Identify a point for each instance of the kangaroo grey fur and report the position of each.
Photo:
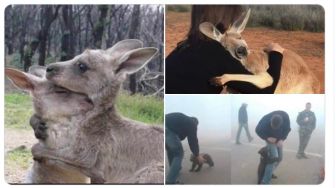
(195, 163)
(114, 148)
(46, 96)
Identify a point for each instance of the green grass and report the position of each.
(147, 109)
(18, 109)
(18, 157)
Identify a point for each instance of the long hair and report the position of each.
(222, 16)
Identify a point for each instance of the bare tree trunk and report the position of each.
(67, 45)
(28, 53)
(98, 29)
(9, 29)
(133, 33)
(48, 15)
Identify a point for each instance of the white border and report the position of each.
(329, 7)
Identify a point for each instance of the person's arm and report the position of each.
(261, 128)
(313, 121)
(193, 141)
(287, 128)
(275, 62)
(299, 119)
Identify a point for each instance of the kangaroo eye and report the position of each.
(83, 67)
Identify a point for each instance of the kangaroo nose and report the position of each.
(52, 69)
(242, 51)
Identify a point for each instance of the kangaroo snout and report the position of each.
(52, 70)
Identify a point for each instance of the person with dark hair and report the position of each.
(274, 129)
(243, 123)
(179, 126)
(197, 59)
(307, 123)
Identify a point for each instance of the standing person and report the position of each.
(243, 123)
(274, 129)
(307, 123)
(197, 59)
(178, 127)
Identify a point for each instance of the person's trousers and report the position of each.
(175, 155)
(241, 126)
(273, 152)
(303, 141)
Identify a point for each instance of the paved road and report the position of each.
(237, 164)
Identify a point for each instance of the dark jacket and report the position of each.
(184, 127)
(242, 115)
(264, 129)
(311, 124)
(189, 69)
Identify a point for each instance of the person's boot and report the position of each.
(299, 156)
(305, 156)
(274, 176)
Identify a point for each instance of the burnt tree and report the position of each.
(48, 14)
(98, 29)
(67, 43)
(134, 33)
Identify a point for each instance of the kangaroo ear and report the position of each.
(124, 46)
(210, 31)
(239, 25)
(134, 60)
(21, 80)
(37, 70)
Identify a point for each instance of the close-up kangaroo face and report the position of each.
(235, 44)
(231, 40)
(93, 70)
(50, 101)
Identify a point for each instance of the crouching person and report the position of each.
(178, 127)
(274, 129)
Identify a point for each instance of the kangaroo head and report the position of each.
(95, 71)
(50, 101)
(231, 40)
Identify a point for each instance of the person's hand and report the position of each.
(200, 159)
(279, 143)
(273, 47)
(271, 140)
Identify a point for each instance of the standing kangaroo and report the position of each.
(107, 146)
(295, 75)
(56, 106)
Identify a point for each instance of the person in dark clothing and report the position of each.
(307, 123)
(179, 126)
(243, 123)
(274, 129)
(197, 59)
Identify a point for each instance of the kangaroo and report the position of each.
(125, 151)
(295, 75)
(195, 163)
(56, 106)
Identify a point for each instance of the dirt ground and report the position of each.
(15, 138)
(307, 44)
